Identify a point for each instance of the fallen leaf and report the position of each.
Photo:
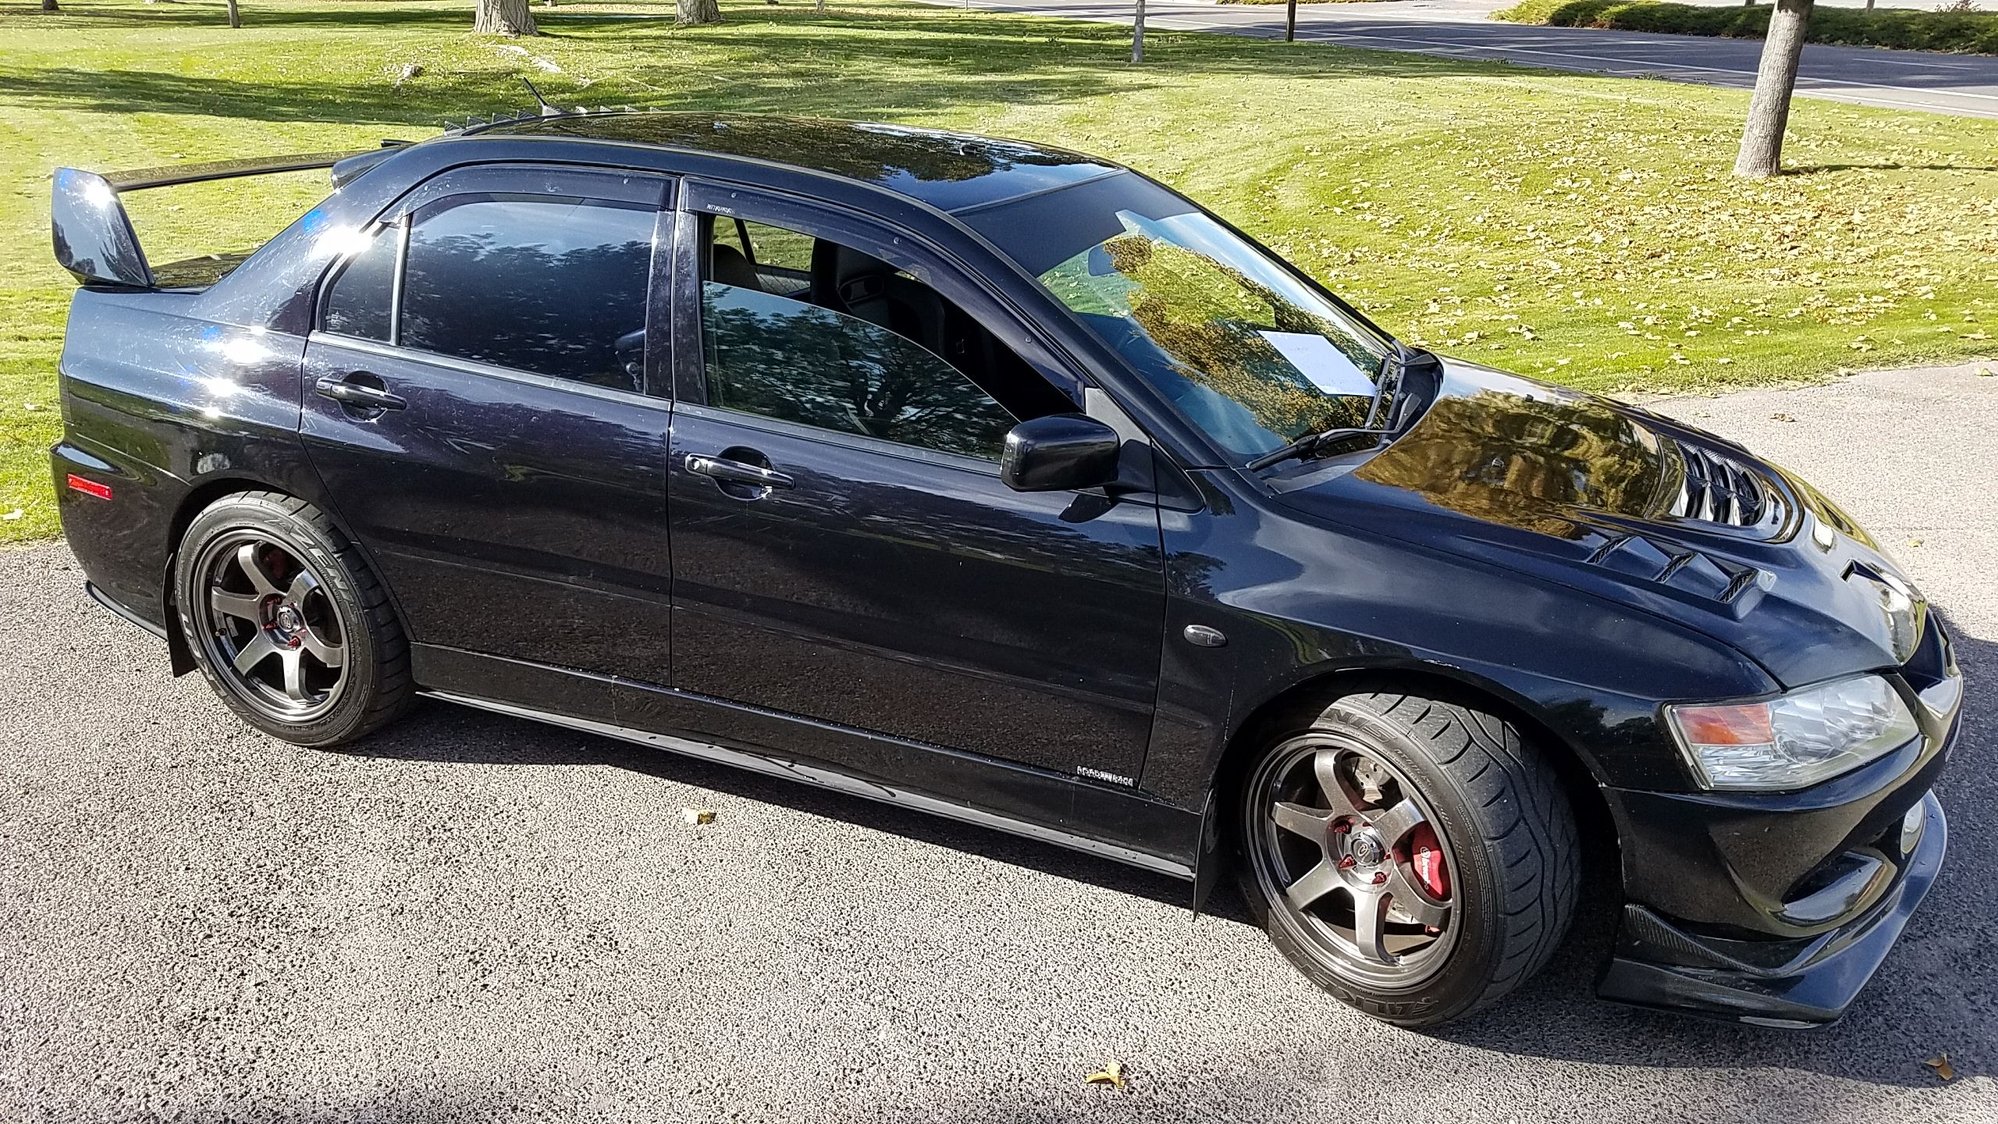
(1782, 417)
(1914, 542)
(1940, 1063)
(1113, 1074)
(698, 816)
(13, 515)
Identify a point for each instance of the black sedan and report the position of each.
(1005, 483)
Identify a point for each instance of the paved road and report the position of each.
(1966, 85)
(473, 918)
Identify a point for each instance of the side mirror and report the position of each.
(1058, 453)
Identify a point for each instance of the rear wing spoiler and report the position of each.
(94, 238)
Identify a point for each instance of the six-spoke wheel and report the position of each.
(286, 621)
(1414, 857)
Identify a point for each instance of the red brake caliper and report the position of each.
(1425, 854)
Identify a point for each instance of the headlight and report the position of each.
(1800, 739)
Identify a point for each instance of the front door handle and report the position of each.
(736, 472)
(359, 390)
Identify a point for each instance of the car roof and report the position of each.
(945, 170)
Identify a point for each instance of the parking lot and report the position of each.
(476, 918)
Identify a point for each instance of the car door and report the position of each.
(476, 406)
(844, 549)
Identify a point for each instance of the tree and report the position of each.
(50, 6)
(504, 17)
(1138, 34)
(235, 17)
(1775, 80)
(691, 12)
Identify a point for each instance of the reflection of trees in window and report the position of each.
(479, 294)
(1483, 454)
(1205, 316)
(797, 362)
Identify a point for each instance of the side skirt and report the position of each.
(817, 772)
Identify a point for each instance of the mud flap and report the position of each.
(1208, 863)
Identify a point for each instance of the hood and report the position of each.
(1615, 501)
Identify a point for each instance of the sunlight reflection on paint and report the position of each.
(340, 241)
(244, 351)
(98, 193)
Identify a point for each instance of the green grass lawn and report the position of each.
(1579, 228)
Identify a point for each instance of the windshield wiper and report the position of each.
(1387, 391)
(1310, 443)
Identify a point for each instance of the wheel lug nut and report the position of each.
(1380, 877)
(1345, 862)
(1342, 827)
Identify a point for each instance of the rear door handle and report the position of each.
(349, 390)
(736, 472)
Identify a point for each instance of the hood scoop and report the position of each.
(1685, 573)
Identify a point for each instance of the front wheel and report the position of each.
(287, 623)
(1414, 857)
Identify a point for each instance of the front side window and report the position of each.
(553, 286)
(1247, 352)
(855, 346)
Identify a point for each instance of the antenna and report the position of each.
(546, 109)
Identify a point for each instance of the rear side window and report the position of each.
(554, 286)
(358, 304)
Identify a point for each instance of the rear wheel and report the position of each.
(287, 623)
(1414, 857)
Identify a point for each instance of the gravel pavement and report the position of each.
(474, 918)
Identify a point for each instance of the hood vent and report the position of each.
(1718, 489)
(1685, 573)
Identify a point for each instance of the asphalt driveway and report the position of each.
(473, 918)
(1966, 85)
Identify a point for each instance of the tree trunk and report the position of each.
(698, 11)
(1775, 80)
(504, 17)
(235, 17)
(50, 6)
(1138, 34)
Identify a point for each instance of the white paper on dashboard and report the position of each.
(1316, 359)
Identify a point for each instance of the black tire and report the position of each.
(287, 623)
(1495, 812)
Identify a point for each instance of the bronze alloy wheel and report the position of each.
(269, 627)
(1350, 853)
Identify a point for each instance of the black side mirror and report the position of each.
(1058, 453)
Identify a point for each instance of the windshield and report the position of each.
(1249, 353)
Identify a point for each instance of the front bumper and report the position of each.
(1777, 908)
(1796, 983)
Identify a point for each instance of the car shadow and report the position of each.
(446, 733)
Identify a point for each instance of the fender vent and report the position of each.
(1718, 489)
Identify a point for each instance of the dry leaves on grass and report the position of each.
(1940, 1063)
